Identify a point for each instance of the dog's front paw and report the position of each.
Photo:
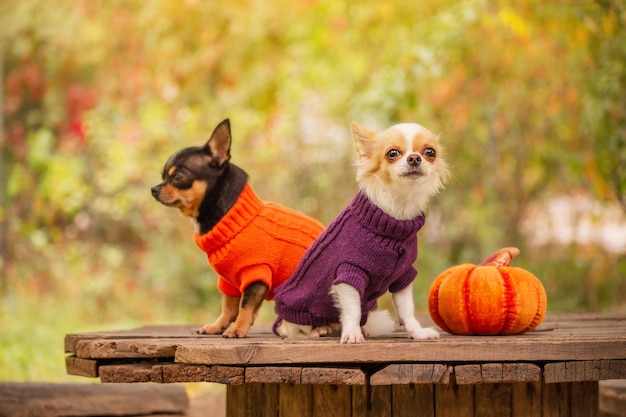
(421, 333)
(351, 336)
(235, 332)
(211, 329)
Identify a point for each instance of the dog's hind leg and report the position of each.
(230, 308)
(251, 300)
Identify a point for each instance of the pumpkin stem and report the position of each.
(501, 257)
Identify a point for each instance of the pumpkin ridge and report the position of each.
(509, 301)
(541, 306)
(466, 301)
(433, 304)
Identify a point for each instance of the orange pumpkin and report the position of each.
(487, 299)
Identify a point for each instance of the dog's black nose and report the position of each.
(155, 191)
(414, 159)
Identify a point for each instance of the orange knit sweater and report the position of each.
(257, 241)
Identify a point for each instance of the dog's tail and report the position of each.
(379, 323)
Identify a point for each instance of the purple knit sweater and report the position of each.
(363, 247)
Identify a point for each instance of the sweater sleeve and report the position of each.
(227, 288)
(353, 275)
(253, 273)
(403, 280)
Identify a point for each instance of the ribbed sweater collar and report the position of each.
(377, 221)
(240, 215)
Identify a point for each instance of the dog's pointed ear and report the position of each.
(363, 140)
(218, 145)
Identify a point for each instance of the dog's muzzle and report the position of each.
(156, 190)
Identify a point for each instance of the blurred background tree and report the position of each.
(526, 95)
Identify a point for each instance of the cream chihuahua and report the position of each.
(371, 246)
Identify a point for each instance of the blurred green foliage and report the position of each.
(526, 95)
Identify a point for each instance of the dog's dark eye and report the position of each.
(177, 177)
(430, 153)
(392, 154)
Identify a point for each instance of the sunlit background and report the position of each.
(527, 97)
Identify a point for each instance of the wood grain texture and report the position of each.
(305, 375)
(585, 399)
(422, 373)
(55, 400)
(613, 369)
(560, 337)
(573, 371)
(81, 367)
(527, 399)
(493, 400)
(331, 400)
(144, 332)
(175, 372)
(556, 400)
(380, 400)
(295, 400)
(448, 349)
(453, 400)
(565, 348)
(333, 375)
(497, 373)
(126, 348)
(126, 373)
(251, 400)
(534, 399)
(413, 400)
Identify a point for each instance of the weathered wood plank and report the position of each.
(149, 332)
(170, 373)
(236, 398)
(380, 401)
(453, 400)
(343, 375)
(411, 400)
(582, 320)
(175, 372)
(374, 401)
(493, 400)
(251, 400)
(126, 373)
(412, 374)
(497, 373)
(274, 375)
(556, 400)
(527, 399)
(573, 371)
(305, 375)
(331, 400)
(81, 367)
(570, 347)
(585, 399)
(559, 322)
(564, 337)
(613, 369)
(455, 349)
(570, 399)
(360, 400)
(55, 400)
(126, 348)
(558, 325)
(295, 400)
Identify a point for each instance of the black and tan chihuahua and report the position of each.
(254, 246)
